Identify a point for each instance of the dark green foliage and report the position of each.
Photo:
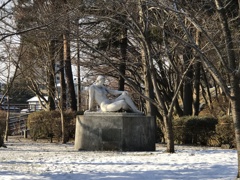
(194, 130)
(47, 124)
(225, 131)
(204, 130)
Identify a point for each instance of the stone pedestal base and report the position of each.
(115, 131)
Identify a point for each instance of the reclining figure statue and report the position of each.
(98, 92)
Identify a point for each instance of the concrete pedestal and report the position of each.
(115, 131)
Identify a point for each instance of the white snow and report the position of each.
(24, 159)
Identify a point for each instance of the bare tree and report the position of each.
(218, 51)
(12, 59)
(9, 59)
(151, 68)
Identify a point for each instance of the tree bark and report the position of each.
(145, 56)
(51, 76)
(7, 121)
(2, 141)
(63, 87)
(236, 117)
(79, 103)
(234, 77)
(67, 60)
(69, 75)
(122, 66)
(63, 122)
(197, 79)
(187, 89)
(169, 134)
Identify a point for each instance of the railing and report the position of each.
(17, 124)
(14, 107)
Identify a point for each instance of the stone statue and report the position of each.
(98, 92)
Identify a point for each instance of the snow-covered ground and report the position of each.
(24, 159)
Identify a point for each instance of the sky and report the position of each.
(24, 159)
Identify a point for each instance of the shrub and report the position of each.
(194, 130)
(46, 124)
(225, 131)
(70, 118)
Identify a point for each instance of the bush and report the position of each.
(194, 130)
(47, 124)
(225, 131)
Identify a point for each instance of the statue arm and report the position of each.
(91, 98)
(114, 92)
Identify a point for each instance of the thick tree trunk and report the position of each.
(67, 60)
(78, 80)
(2, 141)
(145, 56)
(78, 69)
(197, 88)
(68, 70)
(187, 89)
(63, 97)
(235, 103)
(122, 67)
(209, 100)
(169, 134)
(197, 68)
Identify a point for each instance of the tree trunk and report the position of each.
(122, 67)
(234, 78)
(78, 70)
(145, 56)
(51, 76)
(67, 60)
(68, 70)
(63, 87)
(169, 134)
(187, 89)
(197, 88)
(209, 100)
(236, 118)
(63, 122)
(1, 141)
(197, 79)
(7, 122)
(69, 76)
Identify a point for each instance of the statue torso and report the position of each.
(100, 93)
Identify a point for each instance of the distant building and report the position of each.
(34, 104)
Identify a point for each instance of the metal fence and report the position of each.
(18, 124)
(13, 107)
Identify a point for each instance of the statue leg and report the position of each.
(114, 106)
(128, 100)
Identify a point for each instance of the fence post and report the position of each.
(25, 133)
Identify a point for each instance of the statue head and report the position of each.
(100, 79)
